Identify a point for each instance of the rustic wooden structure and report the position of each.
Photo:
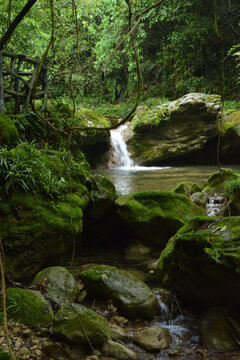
(18, 74)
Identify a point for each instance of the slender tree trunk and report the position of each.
(15, 23)
(1, 86)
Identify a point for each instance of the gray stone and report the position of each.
(153, 338)
(60, 284)
(132, 297)
(118, 351)
(80, 325)
(174, 129)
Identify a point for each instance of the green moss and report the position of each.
(28, 307)
(9, 131)
(4, 355)
(154, 216)
(215, 182)
(231, 121)
(187, 188)
(81, 325)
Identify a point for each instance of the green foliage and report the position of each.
(29, 169)
(9, 133)
(232, 185)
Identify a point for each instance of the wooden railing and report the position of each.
(17, 77)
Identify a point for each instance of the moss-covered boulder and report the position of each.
(187, 188)
(39, 213)
(28, 307)
(175, 130)
(154, 216)
(202, 262)
(81, 325)
(132, 297)
(215, 183)
(59, 284)
(102, 195)
(230, 143)
(9, 134)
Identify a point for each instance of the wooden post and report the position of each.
(1, 86)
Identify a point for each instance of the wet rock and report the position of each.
(57, 283)
(220, 331)
(199, 198)
(153, 217)
(28, 307)
(153, 338)
(80, 325)
(62, 350)
(102, 195)
(132, 297)
(202, 262)
(118, 333)
(187, 188)
(118, 351)
(175, 130)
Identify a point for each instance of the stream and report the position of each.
(183, 326)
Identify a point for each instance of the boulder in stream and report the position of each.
(132, 297)
(174, 130)
(152, 217)
(118, 351)
(153, 338)
(202, 262)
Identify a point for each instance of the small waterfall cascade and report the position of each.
(119, 154)
(215, 205)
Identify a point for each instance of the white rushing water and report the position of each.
(119, 148)
(120, 155)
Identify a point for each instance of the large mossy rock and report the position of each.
(81, 325)
(37, 219)
(230, 144)
(154, 216)
(60, 285)
(132, 297)
(9, 133)
(202, 262)
(175, 129)
(28, 307)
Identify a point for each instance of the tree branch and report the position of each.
(15, 23)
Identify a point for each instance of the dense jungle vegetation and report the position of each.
(181, 45)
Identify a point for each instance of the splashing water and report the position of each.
(119, 148)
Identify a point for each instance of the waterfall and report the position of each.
(119, 155)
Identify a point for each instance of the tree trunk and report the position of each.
(1, 86)
(15, 23)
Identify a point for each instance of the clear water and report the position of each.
(134, 179)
